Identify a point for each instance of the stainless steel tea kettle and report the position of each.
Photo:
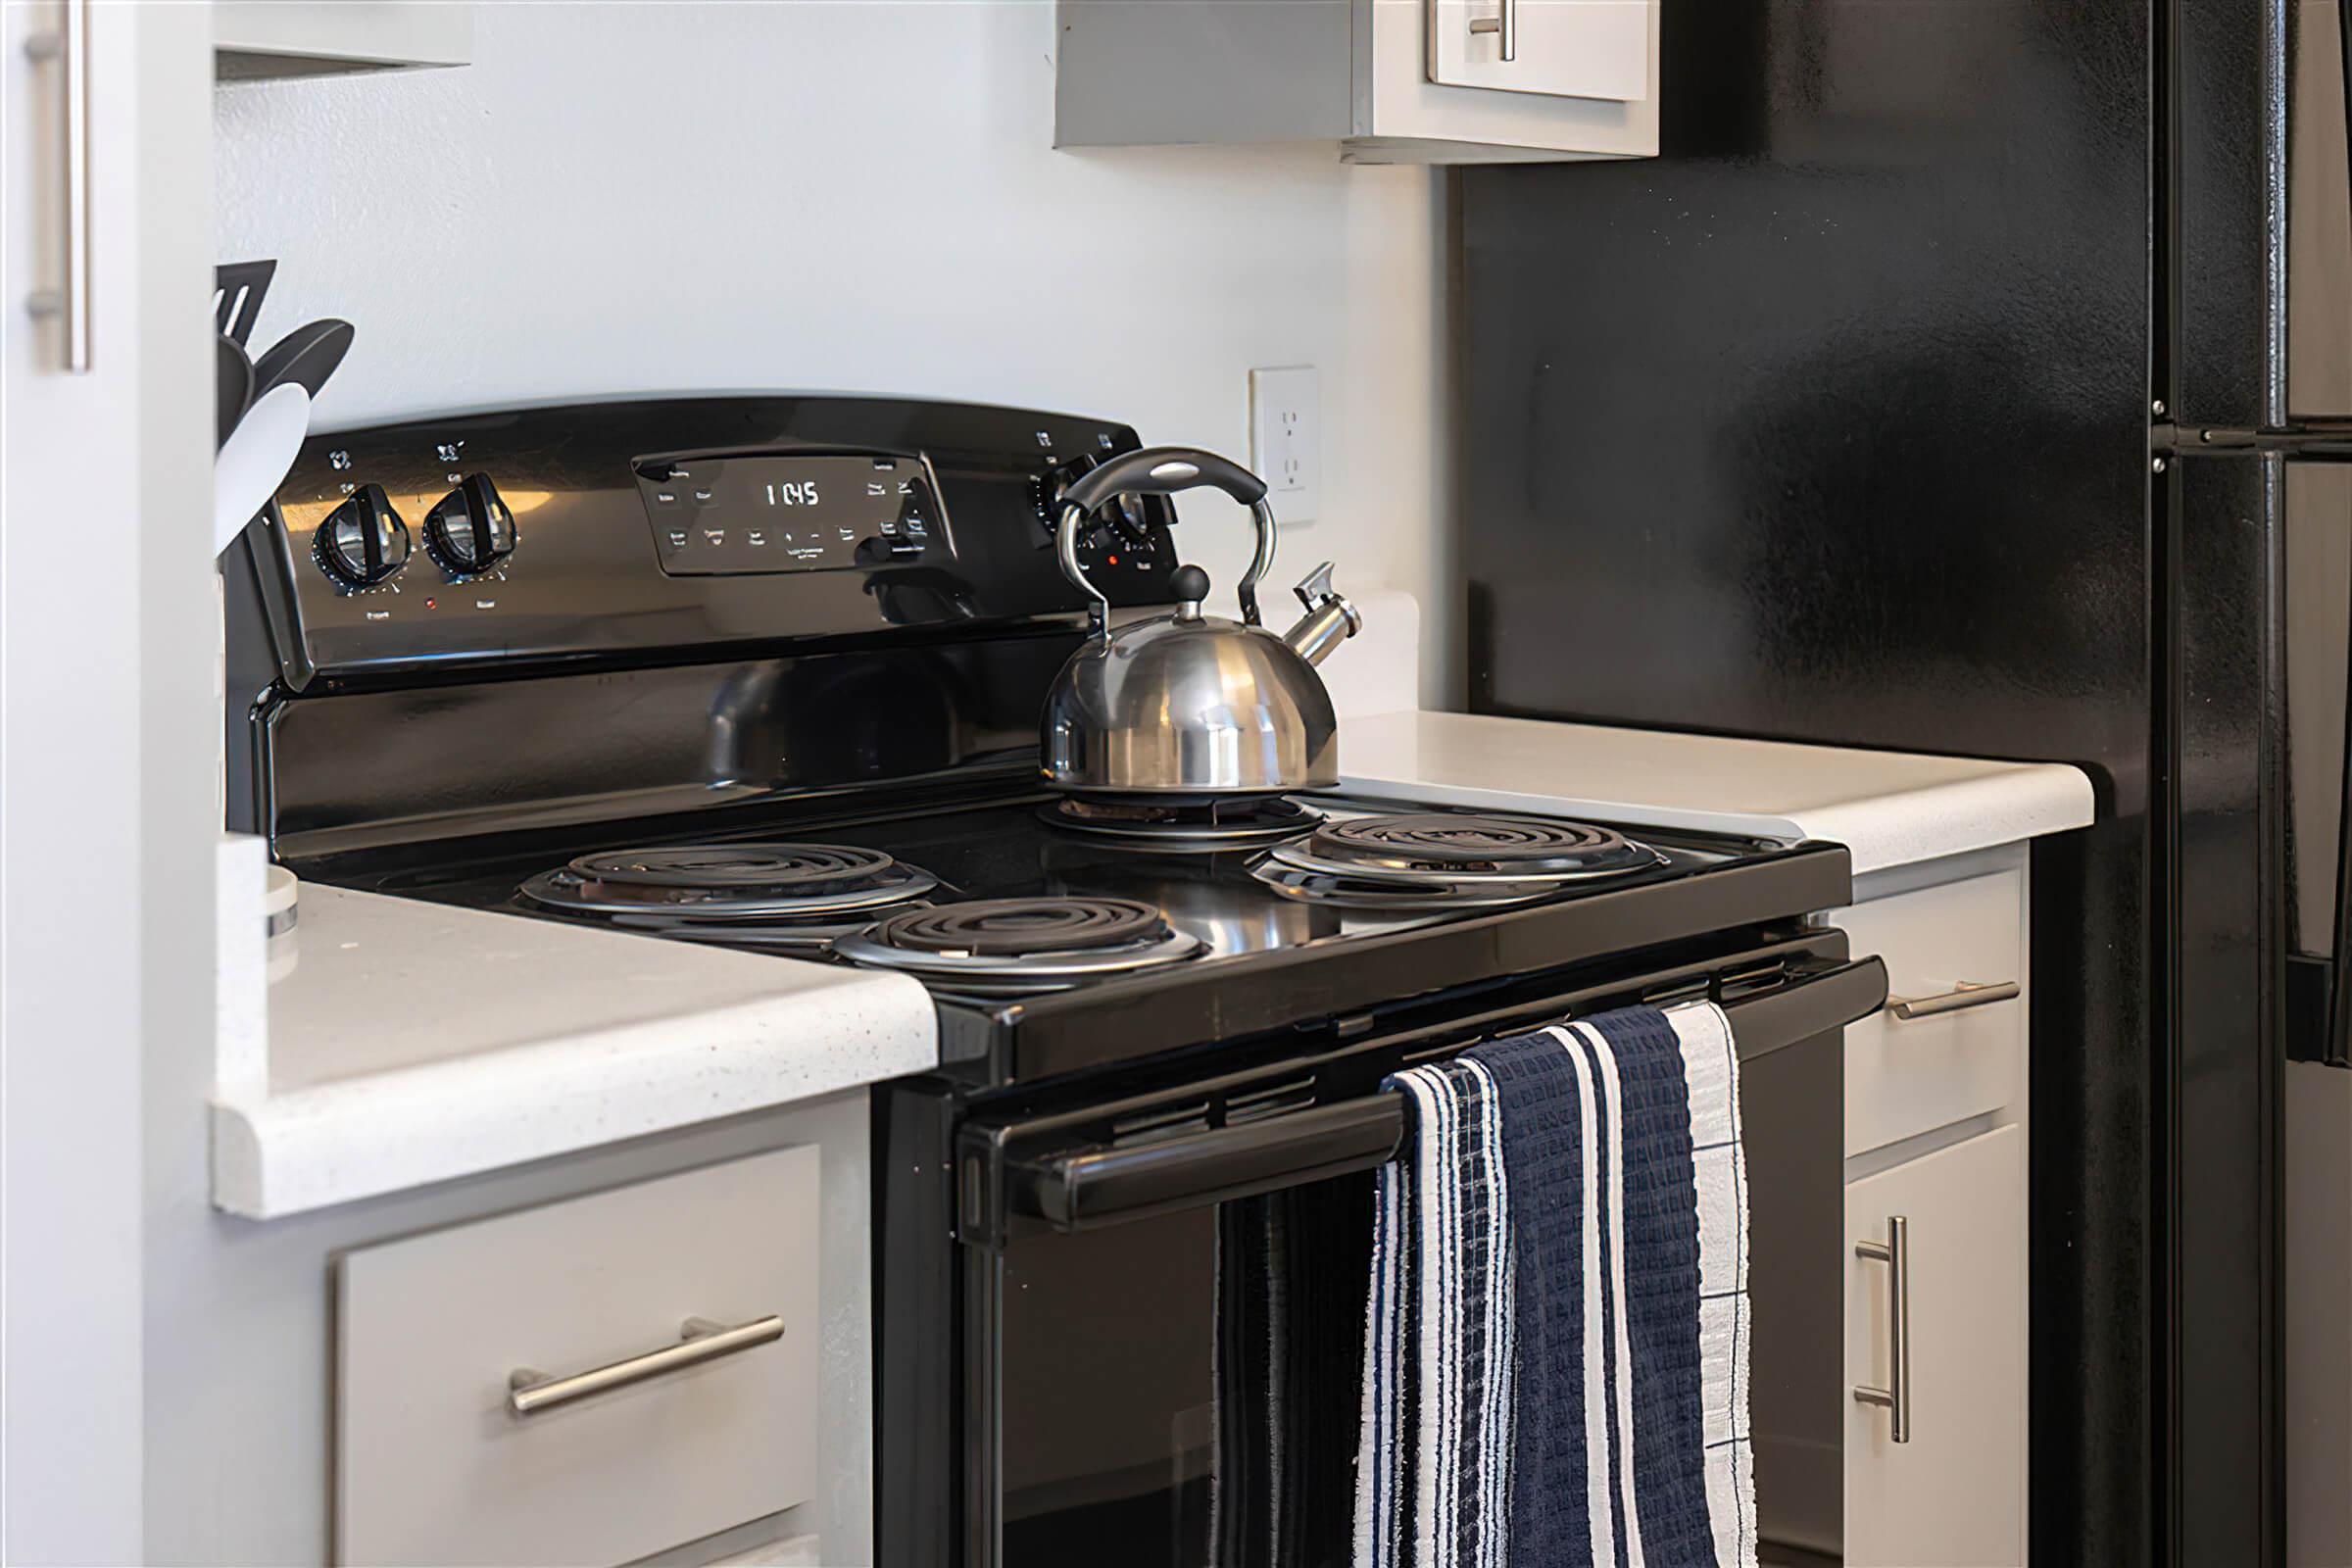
(1190, 704)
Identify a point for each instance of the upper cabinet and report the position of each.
(261, 39)
(1391, 81)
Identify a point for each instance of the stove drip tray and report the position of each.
(1447, 859)
(750, 881)
(1003, 947)
(1015, 927)
(1184, 823)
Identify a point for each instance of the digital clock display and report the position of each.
(762, 513)
(822, 495)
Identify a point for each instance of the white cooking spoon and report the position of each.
(254, 460)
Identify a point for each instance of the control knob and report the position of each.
(1130, 521)
(1048, 488)
(363, 541)
(472, 529)
(1124, 517)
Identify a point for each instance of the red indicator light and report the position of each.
(1113, 559)
(428, 603)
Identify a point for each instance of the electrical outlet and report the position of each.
(1286, 437)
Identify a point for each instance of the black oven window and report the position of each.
(1186, 1389)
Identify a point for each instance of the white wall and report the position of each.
(852, 195)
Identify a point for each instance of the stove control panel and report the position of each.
(735, 514)
(675, 529)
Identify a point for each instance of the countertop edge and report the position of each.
(363, 1137)
(1934, 823)
(2003, 802)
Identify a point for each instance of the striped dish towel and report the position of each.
(1555, 1364)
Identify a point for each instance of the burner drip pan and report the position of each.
(1219, 822)
(997, 946)
(729, 882)
(1446, 843)
(1025, 927)
(1447, 859)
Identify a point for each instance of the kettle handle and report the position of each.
(1163, 472)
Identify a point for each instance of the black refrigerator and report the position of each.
(1929, 392)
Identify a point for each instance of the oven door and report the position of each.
(1163, 1287)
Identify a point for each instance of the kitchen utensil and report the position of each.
(232, 388)
(255, 459)
(237, 290)
(306, 357)
(1190, 704)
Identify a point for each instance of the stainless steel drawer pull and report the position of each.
(1505, 24)
(1895, 1253)
(69, 47)
(1967, 994)
(529, 1391)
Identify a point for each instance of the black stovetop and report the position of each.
(625, 681)
(1268, 961)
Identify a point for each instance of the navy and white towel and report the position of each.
(1556, 1340)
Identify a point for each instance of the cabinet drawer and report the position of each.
(1905, 1076)
(1954, 1491)
(434, 1466)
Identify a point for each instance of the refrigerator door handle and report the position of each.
(2315, 1013)
(2317, 1008)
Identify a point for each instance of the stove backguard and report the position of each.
(373, 767)
(704, 605)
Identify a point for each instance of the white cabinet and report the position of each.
(1936, 1118)
(261, 38)
(1954, 1491)
(109, 718)
(590, 1382)
(1389, 81)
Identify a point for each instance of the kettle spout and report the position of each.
(1330, 618)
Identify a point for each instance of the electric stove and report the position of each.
(767, 672)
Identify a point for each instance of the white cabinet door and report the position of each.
(1390, 81)
(655, 1445)
(108, 731)
(1560, 48)
(1953, 1493)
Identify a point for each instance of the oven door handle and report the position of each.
(1112, 1186)
(1082, 1192)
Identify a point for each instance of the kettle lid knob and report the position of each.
(1190, 585)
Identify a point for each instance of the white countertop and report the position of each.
(1889, 808)
(413, 1043)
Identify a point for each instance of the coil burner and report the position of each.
(738, 888)
(997, 946)
(1446, 859)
